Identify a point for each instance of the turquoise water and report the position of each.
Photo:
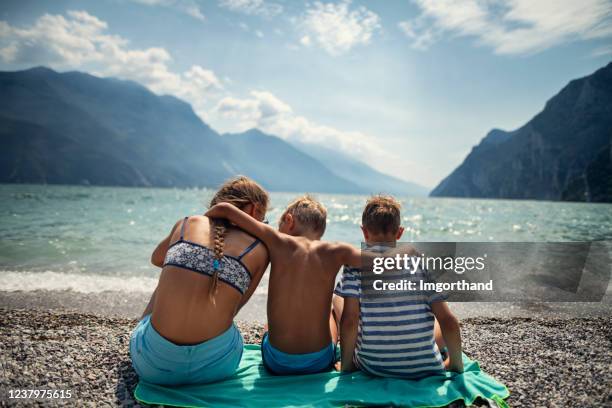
(96, 238)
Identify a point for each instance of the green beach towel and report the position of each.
(253, 386)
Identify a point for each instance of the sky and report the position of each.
(408, 87)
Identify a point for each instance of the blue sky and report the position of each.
(407, 86)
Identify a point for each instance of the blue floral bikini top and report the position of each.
(198, 258)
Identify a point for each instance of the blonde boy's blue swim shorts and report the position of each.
(281, 363)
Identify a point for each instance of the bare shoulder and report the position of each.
(197, 221)
(280, 240)
(292, 242)
(341, 253)
(198, 218)
(335, 249)
(331, 246)
(261, 252)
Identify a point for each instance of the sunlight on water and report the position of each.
(111, 231)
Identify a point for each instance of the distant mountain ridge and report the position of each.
(252, 148)
(563, 153)
(368, 178)
(75, 128)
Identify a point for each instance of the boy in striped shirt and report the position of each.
(393, 333)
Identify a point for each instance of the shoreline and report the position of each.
(112, 304)
(542, 361)
(130, 305)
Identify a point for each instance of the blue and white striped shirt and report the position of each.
(396, 328)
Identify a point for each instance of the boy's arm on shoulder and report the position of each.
(345, 254)
(402, 248)
(242, 220)
(451, 333)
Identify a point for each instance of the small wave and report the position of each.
(50, 280)
(11, 281)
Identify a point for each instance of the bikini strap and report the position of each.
(183, 228)
(249, 248)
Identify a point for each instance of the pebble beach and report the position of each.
(544, 362)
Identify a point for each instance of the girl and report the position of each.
(210, 270)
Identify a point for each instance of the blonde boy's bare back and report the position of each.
(301, 282)
(299, 294)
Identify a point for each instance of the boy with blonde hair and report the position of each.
(393, 334)
(302, 335)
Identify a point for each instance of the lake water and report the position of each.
(91, 239)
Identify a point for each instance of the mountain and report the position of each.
(252, 148)
(563, 153)
(368, 179)
(75, 128)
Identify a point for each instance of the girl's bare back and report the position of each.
(182, 297)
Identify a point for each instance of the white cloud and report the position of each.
(189, 7)
(265, 111)
(80, 40)
(195, 12)
(253, 7)
(252, 112)
(421, 35)
(603, 51)
(510, 27)
(336, 28)
(259, 34)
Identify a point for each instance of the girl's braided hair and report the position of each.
(240, 192)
